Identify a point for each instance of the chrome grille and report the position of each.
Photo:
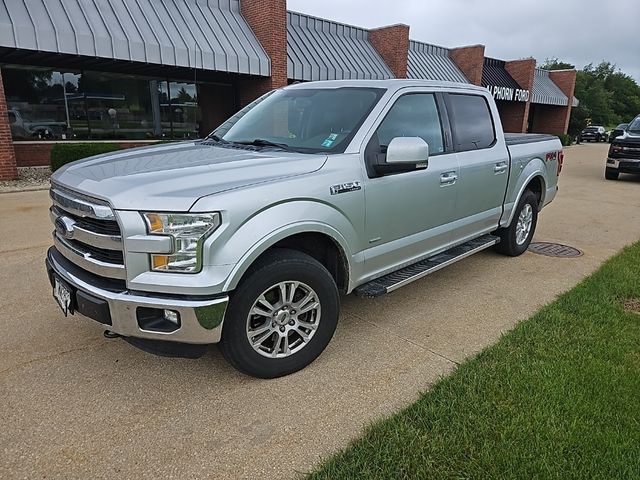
(87, 233)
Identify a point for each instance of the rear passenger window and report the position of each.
(471, 122)
(413, 115)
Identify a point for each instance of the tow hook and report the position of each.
(110, 334)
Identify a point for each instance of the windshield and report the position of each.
(591, 129)
(304, 120)
(634, 126)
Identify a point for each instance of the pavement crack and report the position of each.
(409, 341)
(20, 365)
(21, 249)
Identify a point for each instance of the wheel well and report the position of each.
(536, 185)
(322, 248)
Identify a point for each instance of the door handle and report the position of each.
(448, 178)
(500, 167)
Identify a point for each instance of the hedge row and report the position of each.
(63, 153)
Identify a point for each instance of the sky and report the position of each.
(576, 31)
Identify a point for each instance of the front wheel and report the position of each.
(515, 239)
(611, 173)
(282, 315)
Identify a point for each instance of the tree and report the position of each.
(556, 64)
(607, 95)
(625, 100)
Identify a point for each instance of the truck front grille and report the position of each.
(101, 254)
(103, 227)
(87, 233)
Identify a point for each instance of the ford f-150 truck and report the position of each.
(248, 237)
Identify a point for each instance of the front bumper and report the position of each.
(624, 165)
(127, 313)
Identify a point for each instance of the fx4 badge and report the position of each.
(345, 187)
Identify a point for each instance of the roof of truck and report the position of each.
(390, 84)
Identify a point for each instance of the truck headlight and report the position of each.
(189, 231)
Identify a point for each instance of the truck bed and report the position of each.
(520, 138)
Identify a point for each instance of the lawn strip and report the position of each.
(556, 397)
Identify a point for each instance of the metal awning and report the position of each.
(203, 34)
(575, 102)
(545, 91)
(431, 62)
(319, 49)
(495, 74)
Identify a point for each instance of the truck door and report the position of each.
(408, 212)
(484, 165)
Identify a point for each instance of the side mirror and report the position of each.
(407, 150)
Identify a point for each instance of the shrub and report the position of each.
(63, 153)
(565, 139)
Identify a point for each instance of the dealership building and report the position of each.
(139, 71)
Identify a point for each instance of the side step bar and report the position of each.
(402, 277)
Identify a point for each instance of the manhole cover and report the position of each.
(554, 249)
(632, 305)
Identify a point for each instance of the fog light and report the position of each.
(158, 319)
(172, 316)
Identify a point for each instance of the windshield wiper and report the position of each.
(216, 139)
(259, 142)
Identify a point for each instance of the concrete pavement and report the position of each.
(76, 405)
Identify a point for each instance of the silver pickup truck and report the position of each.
(248, 237)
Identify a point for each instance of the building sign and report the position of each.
(508, 93)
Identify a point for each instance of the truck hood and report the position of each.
(173, 177)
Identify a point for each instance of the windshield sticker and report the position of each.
(330, 140)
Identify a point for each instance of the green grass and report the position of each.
(557, 397)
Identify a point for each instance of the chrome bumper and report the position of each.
(200, 320)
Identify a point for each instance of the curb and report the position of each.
(23, 189)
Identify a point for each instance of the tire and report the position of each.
(275, 268)
(611, 173)
(511, 243)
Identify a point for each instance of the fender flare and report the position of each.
(536, 173)
(276, 235)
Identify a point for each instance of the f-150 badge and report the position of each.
(345, 187)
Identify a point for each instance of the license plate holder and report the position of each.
(63, 295)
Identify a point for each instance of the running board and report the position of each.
(409, 274)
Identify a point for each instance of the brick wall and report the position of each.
(8, 169)
(32, 154)
(392, 43)
(38, 154)
(470, 60)
(550, 119)
(268, 20)
(566, 81)
(522, 71)
(513, 116)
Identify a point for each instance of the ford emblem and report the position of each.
(64, 227)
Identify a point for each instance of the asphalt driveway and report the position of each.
(76, 405)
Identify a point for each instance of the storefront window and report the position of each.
(47, 104)
(118, 106)
(38, 105)
(184, 109)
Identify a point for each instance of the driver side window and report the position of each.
(413, 115)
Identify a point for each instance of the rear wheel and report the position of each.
(611, 173)
(515, 239)
(282, 316)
